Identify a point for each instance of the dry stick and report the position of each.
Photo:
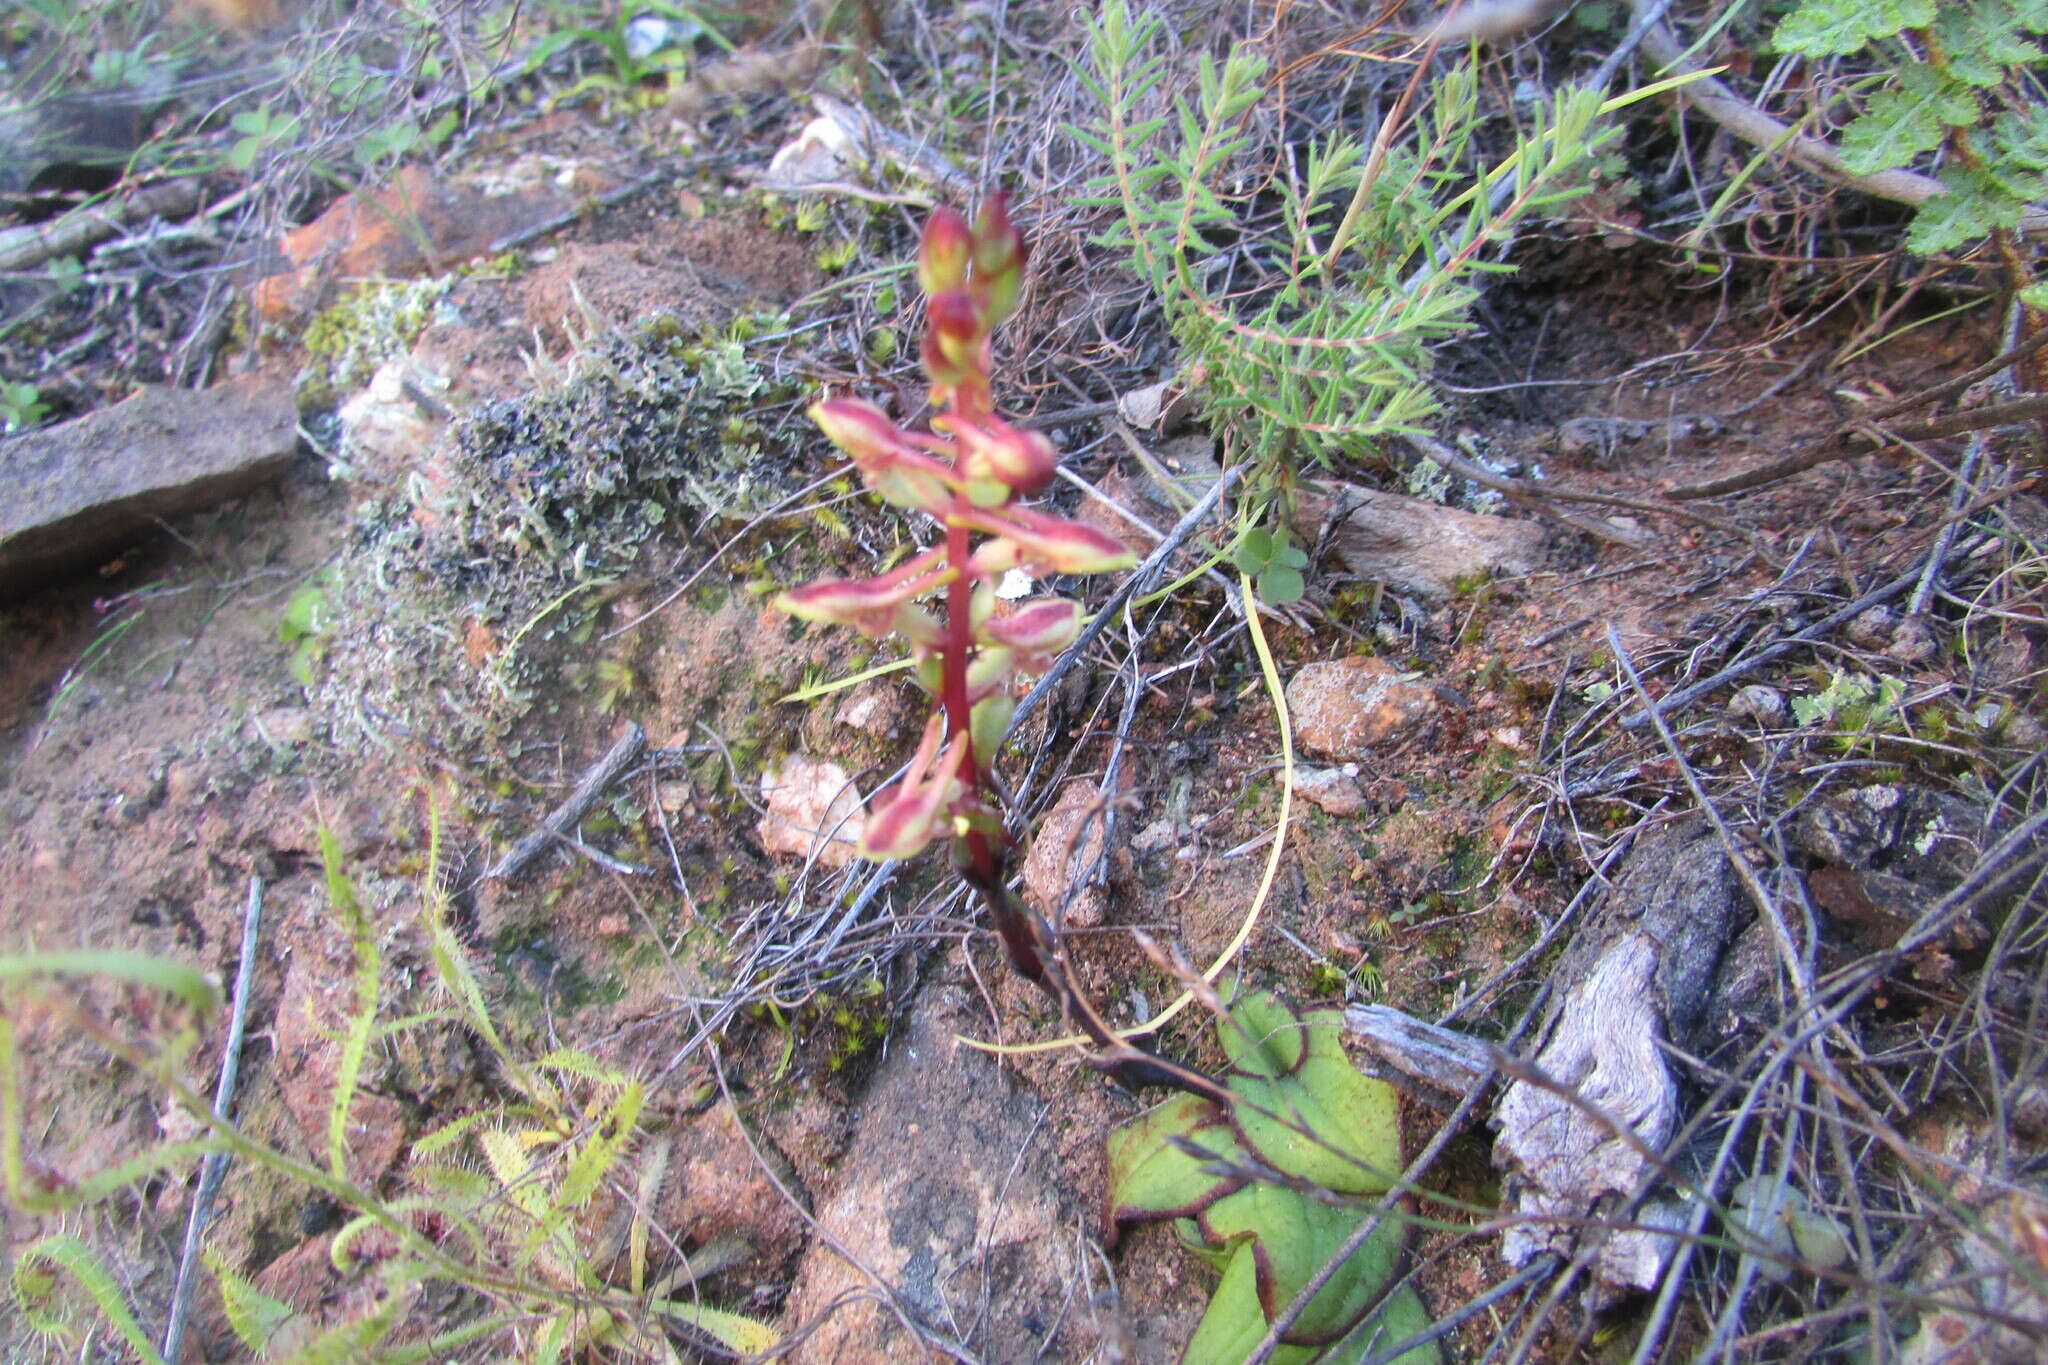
(1946, 540)
(1826, 450)
(86, 227)
(1948, 388)
(568, 217)
(1685, 696)
(623, 754)
(214, 1168)
(1973, 419)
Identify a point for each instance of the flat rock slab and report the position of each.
(74, 494)
(948, 1194)
(1416, 546)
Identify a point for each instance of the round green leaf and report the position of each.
(1325, 1123)
(1293, 1237)
(1262, 1036)
(1149, 1177)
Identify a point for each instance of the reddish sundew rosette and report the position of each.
(967, 473)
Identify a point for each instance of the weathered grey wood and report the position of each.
(1580, 1137)
(1439, 1066)
(74, 494)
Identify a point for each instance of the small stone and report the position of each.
(1066, 846)
(877, 710)
(1912, 643)
(1343, 706)
(612, 926)
(1418, 547)
(1873, 628)
(1764, 705)
(281, 727)
(812, 808)
(1334, 790)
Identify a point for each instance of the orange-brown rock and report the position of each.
(1345, 706)
(415, 225)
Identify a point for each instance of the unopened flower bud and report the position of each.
(1036, 631)
(905, 817)
(1050, 544)
(999, 254)
(859, 428)
(991, 448)
(943, 254)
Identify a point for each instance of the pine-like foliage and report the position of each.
(1374, 261)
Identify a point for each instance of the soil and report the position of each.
(167, 740)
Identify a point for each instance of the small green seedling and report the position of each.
(1272, 563)
(306, 627)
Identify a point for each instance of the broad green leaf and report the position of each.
(1234, 1326)
(1293, 1237)
(1326, 1124)
(1981, 45)
(1281, 586)
(1261, 1036)
(1149, 1177)
(1402, 1316)
(1901, 123)
(1969, 211)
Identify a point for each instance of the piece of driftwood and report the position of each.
(1582, 1127)
(1439, 1066)
(624, 753)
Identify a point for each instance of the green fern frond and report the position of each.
(1835, 28)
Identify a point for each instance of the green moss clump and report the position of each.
(373, 324)
(463, 592)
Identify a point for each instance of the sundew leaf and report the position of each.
(35, 1277)
(1293, 1237)
(1261, 1036)
(173, 978)
(1150, 1177)
(253, 1315)
(741, 1334)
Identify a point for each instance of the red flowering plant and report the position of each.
(968, 473)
